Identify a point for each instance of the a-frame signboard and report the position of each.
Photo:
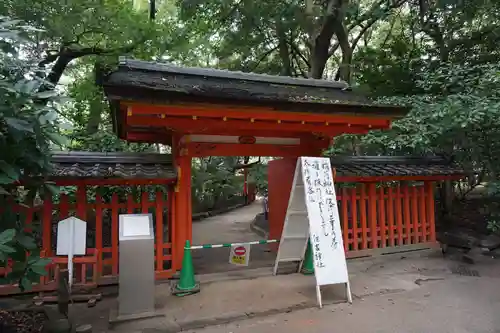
(313, 215)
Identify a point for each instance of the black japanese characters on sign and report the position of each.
(318, 256)
(331, 219)
(321, 196)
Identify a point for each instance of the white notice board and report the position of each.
(313, 214)
(324, 222)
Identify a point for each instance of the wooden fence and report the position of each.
(377, 217)
(100, 264)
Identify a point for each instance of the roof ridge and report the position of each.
(169, 67)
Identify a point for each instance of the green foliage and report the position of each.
(258, 175)
(458, 115)
(28, 128)
(86, 26)
(493, 225)
(20, 253)
(214, 181)
(77, 40)
(27, 115)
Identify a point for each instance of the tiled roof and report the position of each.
(112, 165)
(373, 166)
(170, 68)
(165, 82)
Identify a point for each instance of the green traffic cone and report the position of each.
(187, 284)
(308, 264)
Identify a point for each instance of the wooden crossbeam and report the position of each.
(239, 112)
(202, 124)
(195, 149)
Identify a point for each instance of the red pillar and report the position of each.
(279, 184)
(182, 217)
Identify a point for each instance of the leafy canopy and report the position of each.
(28, 128)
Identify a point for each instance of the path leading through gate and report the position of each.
(230, 227)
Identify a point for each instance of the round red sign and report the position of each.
(240, 251)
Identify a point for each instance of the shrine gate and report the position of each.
(205, 112)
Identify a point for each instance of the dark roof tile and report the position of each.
(112, 165)
(377, 166)
(165, 82)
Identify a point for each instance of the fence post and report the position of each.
(159, 230)
(429, 186)
(423, 214)
(407, 213)
(98, 232)
(145, 202)
(362, 209)
(47, 225)
(372, 211)
(115, 210)
(345, 218)
(354, 215)
(414, 214)
(81, 201)
(390, 214)
(399, 212)
(382, 217)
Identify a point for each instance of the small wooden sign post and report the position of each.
(71, 241)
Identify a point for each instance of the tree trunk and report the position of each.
(344, 72)
(320, 49)
(94, 117)
(320, 52)
(286, 70)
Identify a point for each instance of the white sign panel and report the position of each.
(135, 225)
(324, 222)
(239, 255)
(71, 240)
(71, 237)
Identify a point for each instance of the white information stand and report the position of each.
(136, 281)
(71, 241)
(313, 214)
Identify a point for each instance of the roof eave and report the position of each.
(117, 94)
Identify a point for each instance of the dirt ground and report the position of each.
(455, 305)
(228, 228)
(399, 293)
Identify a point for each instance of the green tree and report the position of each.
(296, 38)
(28, 129)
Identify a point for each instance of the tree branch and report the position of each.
(389, 33)
(368, 15)
(474, 38)
(264, 56)
(296, 50)
(297, 65)
(68, 54)
(283, 50)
